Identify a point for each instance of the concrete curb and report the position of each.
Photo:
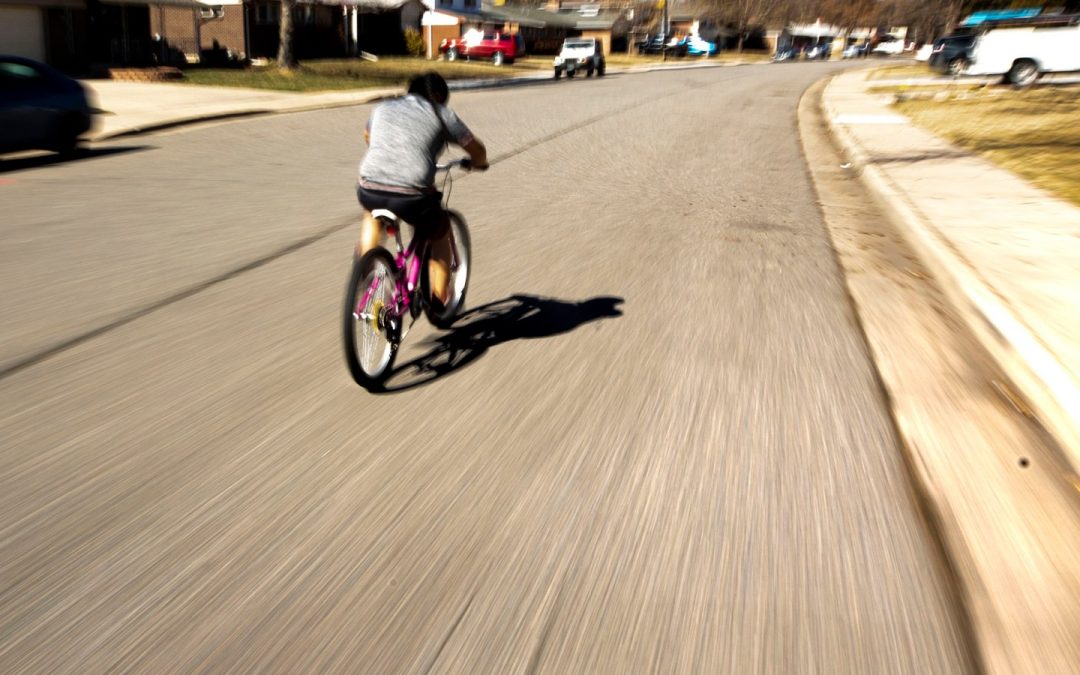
(375, 95)
(1037, 374)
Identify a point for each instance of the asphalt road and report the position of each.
(657, 445)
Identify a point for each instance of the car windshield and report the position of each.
(577, 44)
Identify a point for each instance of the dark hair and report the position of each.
(431, 86)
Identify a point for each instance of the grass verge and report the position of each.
(345, 74)
(389, 71)
(1032, 133)
(898, 72)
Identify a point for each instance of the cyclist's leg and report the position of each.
(369, 228)
(439, 259)
(369, 234)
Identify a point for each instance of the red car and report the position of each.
(499, 47)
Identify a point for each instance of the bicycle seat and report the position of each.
(384, 214)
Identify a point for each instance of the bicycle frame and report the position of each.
(406, 259)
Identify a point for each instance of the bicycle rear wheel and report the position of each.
(460, 264)
(367, 332)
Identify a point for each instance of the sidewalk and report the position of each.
(1000, 497)
(139, 107)
(1006, 252)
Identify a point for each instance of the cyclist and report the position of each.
(405, 137)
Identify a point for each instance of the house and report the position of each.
(379, 25)
(207, 33)
(319, 29)
(76, 35)
(543, 30)
(51, 31)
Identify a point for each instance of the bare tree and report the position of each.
(745, 15)
(285, 57)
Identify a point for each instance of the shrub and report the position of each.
(414, 42)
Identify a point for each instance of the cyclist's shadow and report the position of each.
(518, 317)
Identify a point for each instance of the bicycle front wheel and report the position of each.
(460, 264)
(367, 328)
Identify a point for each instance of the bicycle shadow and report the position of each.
(518, 317)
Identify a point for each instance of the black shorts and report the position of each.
(423, 211)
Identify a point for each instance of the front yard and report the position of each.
(1032, 133)
(390, 71)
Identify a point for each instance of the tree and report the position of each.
(744, 15)
(285, 57)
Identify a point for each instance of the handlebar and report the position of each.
(463, 162)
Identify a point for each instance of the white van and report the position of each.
(1023, 51)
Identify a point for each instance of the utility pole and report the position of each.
(664, 30)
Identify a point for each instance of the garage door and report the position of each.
(22, 32)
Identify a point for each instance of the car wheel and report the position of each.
(558, 73)
(65, 140)
(497, 59)
(451, 54)
(569, 74)
(1023, 73)
(589, 71)
(957, 66)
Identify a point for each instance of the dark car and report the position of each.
(40, 108)
(952, 53)
(662, 43)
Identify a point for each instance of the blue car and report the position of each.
(40, 108)
(696, 46)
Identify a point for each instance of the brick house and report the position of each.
(211, 33)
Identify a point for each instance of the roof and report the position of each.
(814, 30)
(539, 18)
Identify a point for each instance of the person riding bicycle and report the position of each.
(405, 137)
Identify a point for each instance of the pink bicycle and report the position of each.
(387, 292)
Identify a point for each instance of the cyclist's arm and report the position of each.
(477, 154)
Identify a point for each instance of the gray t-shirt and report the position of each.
(406, 139)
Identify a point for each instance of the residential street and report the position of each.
(661, 445)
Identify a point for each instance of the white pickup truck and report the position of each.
(1022, 51)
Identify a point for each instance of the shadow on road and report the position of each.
(37, 161)
(519, 317)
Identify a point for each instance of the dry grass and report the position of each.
(1033, 133)
(345, 74)
(900, 72)
(392, 71)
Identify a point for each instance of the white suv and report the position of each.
(580, 54)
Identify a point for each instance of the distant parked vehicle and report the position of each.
(890, 45)
(952, 53)
(697, 46)
(820, 52)
(654, 45)
(40, 108)
(580, 54)
(500, 48)
(785, 55)
(1023, 51)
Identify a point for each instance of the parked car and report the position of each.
(856, 51)
(698, 46)
(820, 52)
(579, 54)
(654, 45)
(41, 108)
(787, 54)
(952, 53)
(500, 48)
(889, 45)
(1023, 51)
